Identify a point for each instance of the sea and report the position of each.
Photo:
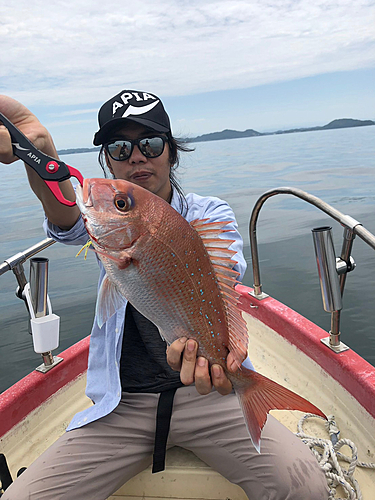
(337, 165)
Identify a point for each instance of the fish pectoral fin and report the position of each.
(258, 395)
(163, 336)
(169, 336)
(108, 301)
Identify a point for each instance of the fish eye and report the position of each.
(122, 203)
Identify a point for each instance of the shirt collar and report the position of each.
(176, 201)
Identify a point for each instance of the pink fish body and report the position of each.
(180, 276)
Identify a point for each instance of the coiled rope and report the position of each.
(328, 455)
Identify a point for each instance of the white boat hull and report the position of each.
(284, 346)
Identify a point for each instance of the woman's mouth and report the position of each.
(143, 175)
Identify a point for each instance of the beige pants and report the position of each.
(92, 462)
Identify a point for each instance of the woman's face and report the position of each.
(149, 173)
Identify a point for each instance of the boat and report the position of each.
(35, 411)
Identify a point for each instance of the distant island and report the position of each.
(235, 134)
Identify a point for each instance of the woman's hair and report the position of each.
(175, 147)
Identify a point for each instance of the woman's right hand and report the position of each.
(29, 125)
(61, 215)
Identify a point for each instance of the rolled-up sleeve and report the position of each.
(77, 235)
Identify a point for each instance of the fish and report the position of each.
(180, 276)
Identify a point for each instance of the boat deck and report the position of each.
(186, 477)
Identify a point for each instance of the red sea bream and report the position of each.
(180, 276)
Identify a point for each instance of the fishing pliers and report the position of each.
(52, 171)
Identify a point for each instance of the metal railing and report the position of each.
(16, 262)
(323, 247)
(38, 288)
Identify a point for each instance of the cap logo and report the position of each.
(132, 110)
(127, 96)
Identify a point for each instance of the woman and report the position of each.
(131, 376)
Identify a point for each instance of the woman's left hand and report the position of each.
(182, 357)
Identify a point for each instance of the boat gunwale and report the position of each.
(30, 392)
(348, 368)
(355, 374)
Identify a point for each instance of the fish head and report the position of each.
(117, 212)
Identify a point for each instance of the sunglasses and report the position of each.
(122, 149)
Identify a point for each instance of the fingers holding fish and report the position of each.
(182, 357)
(232, 362)
(28, 124)
(220, 381)
(6, 151)
(174, 353)
(189, 358)
(202, 378)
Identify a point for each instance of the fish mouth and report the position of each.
(99, 236)
(79, 198)
(83, 198)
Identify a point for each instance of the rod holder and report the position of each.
(45, 327)
(326, 262)
(39, 285)
(329, 269)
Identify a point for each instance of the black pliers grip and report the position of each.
(52, 171)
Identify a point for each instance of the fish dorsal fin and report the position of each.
(108, 302)
(222, 262)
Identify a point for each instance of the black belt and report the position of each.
(163, 422)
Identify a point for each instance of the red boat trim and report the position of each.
(355, 374)
(30, 392)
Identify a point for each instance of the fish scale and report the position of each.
(183, 289)
(180, 276)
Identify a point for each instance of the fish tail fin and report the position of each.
(258, 395)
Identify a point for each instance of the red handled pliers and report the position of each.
(52, 171)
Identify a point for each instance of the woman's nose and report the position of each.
(137, 156)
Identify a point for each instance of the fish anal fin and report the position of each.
(258, 395)
(108, 301)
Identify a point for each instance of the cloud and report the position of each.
(74, 112)
(66, 123)
(52, 54)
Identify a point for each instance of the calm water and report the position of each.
(337, 166)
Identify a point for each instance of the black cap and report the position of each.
(141, 107)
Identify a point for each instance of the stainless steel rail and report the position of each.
(38, 287)
(351, 228)
(20, 258)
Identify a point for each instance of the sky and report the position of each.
(216, 64)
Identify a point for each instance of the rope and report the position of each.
(327, 453)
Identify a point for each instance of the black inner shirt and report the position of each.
(143, 366)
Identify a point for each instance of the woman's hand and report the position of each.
(29, 125)
(182, 357)
(61, 215)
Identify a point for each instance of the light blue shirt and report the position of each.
(103, 374)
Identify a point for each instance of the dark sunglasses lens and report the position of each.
(119, 150)
(152, 147)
